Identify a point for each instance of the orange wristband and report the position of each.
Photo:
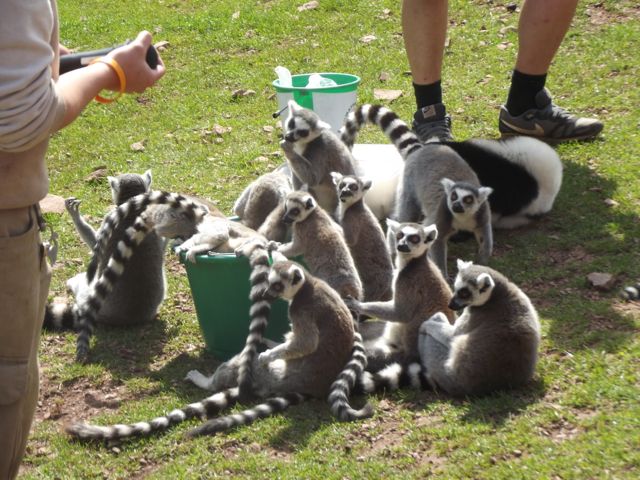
(121, 77)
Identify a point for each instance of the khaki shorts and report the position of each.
(24, 283)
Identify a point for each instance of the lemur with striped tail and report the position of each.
(364, 237)
(437, 184)
(313, 151)
(304, 366)
(144, 279)
(170, 215)
(419, 291)
(320, 241)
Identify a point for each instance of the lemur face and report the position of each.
(412, 239)
(462, 198)
(298, 206)
(350, 188)
(285, 279)
(302, 125)
(470, 287)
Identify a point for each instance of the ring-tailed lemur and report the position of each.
(313, 152)
(319, 240)
(168, 214)
(260, 198)
(419, 291)
(364, 237)
(437, 184)
(314, 353)
(632, 292)
(492, 346)
(144, 279)
(524, 173)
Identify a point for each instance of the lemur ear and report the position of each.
(462, 265)
(392, 225)
(277, 257)
(146, 176)
(366, 185)
(336, 177)
(483, 193)
(293, 106)
(431, 233)
(447, 184)
(113, 183)
(296, 275)
(323, 125)
(309, 204)
(485, 282)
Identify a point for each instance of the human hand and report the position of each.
(132, 59)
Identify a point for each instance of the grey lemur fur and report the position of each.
(319, 240)
(419, 291)
(260, 198)
(437, 187)
(364, 237)
(312, 356)
(144, 279)
(169, 215)
(313, 152)
(492, 346)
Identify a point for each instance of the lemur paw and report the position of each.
(72, 204)
(265, 357)
(352, 303)
(272, 245)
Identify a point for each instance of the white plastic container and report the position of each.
(332, 103)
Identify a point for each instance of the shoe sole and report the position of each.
(552, 141)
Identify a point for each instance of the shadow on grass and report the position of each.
(496, 408)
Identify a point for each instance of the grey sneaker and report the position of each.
(548, 122)
(432, 124)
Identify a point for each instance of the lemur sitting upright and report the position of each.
(144, 279)
(313, 152)
(419, 291)
(312, 356)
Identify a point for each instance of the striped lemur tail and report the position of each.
(267, 408)
(132, 208)
(209, 406)
(393, 127)
(342, 386)
(259, 311)
(115, 265)
(631, 292)
(393, 377)
(59, 316)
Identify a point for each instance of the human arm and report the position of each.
(78, 87)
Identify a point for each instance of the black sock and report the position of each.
(522, 94)
(428, 94)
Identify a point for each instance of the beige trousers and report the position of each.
(24, 283)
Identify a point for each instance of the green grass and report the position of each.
(580, 417)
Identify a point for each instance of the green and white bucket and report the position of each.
(331, 103)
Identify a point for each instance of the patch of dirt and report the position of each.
(627, 309)
(560, 430)
(599, 15)
(76, 399)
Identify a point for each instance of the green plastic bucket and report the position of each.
(220, 288)
(332, 104)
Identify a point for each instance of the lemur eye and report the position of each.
(468, 199)
(353, 187)
(295, 212)
(414, 238)
(277, 286)
(463, 293)
(399, 235)
(454, 196)
(291, 124)
(303, 133)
